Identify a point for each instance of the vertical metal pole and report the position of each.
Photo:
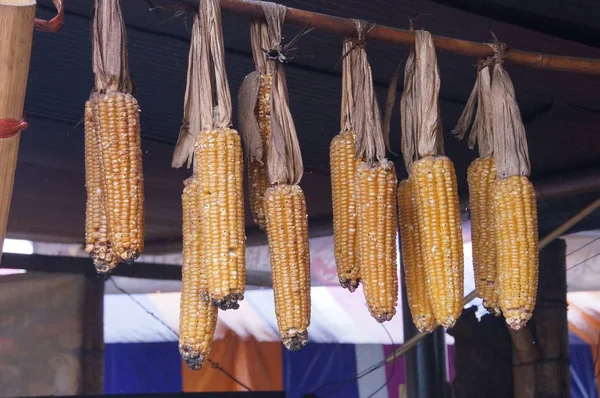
(425, 364)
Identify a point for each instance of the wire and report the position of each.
(586, 245)
(391, 371)
(343, 383)
(584, 261)
(147, 311)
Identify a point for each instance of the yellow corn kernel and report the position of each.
(258, 179)
(376, 237)
(198, 318)
(96, 231)
(343, 167)
(287, 231)
(481, 176)
(440, 235)
(116, 119)
(219, 171)
(515, 210)
(412, 259)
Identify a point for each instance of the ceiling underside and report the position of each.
(560, 109)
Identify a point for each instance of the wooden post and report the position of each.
(549, 324)
(525, 356)
(16, 35)
(482, 357)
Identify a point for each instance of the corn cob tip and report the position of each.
(129, 256)
(192, 357)
(517, 318)
(294, 340)
(425, 323)
(350, 284)
(449, 322)
(104, 266)
(383, 316)
(229, 302)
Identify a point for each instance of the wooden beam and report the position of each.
(83, 265)
(345, 27)
(16, 35)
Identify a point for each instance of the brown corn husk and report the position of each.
(510, 141)
(408, 114)
(370, 143)
(110, 59)
(477, 115)
(284, 160)
(347, 111)
(427, 88)
(190, 125)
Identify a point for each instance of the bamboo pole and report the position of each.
(16, 35)
(345, 27)
(543, 243)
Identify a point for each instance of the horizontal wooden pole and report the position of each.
(82, 265)
(345, 27)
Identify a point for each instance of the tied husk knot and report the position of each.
(110, 60)
(207, 103)
(284, 159)
(370, 143)
(509, 138)
(477, 115)
(430, 140)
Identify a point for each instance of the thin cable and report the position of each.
(391, 371)
(342, 384)
(147, 311)
(119, 288)
(586, 245)
(584, 261)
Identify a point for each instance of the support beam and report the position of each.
(16, 35)
(345, 27)
(82, 265)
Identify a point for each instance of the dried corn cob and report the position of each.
(515, 210)
(440, 235)
(287, 230)
(343, 167)
(376, 236)
(412, 259)
(481, 176)
(116, 122)
(257, 170)
(96, 231)
(219, 170)
(198, 318)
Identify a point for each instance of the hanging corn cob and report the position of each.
(96, 226)
(284, 202)
(415, 278)
(218, 168)
(375, 190)
(480, 177)
(254, 119)
(515, 206)
(343, 170)
(435, 189)
(197, 318)
(115, 227)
